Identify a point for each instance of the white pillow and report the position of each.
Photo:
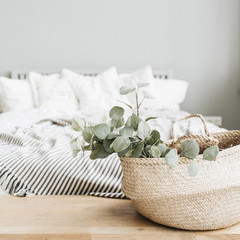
(131, 79)
(95, 93)
(35, 80)
(141, 75)
(15, 94)
(52, 93)
(168, 94)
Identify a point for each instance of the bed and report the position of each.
(36, 158)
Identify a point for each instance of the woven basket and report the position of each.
(204, 141)
(223, 140)
(169, 196)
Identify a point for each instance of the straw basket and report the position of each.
(169, 196)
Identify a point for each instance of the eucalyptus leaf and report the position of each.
(163, 148)
(106, 144)
(172, 158)
(143, 130)
(117, 123)
(102, 153)
(128, 105)
(78, 124)
(87, 147)
(147, 95)
(167, 151)
(129, 153)
(101, 130)
(143, 84)
(76, 146)
(127, 131)
(116, 113)
(138, 150)
(193, 169)
(93, 154)
(154, 137)
(125, 90)
(125, 151)
(211, 153)
(87, 134)
(150, 118)
(133, 121)
(155, 151)
(190, 149)
(120, 143)
(113, 135)
(147, 149)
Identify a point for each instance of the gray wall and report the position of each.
(199, 39)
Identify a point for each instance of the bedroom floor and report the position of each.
(84, 217)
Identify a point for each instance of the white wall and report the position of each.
(199, 39)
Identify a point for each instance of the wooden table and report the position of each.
(84, 217)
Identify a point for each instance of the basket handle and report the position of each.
(185, 118)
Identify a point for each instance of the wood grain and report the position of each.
(84, 217)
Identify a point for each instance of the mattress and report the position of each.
(36, 158)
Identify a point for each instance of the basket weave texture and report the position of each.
(169, 196)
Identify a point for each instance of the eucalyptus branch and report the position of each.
(137, 104)
(141, 102)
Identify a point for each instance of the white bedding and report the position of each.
(18, 123)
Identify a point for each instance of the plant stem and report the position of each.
(141, 102)
(137, 104)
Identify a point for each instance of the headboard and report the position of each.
(23, 74)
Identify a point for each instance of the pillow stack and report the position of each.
(70, 91)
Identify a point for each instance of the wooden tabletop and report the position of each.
(84, 217)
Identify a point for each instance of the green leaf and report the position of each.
(143, 130)
(87, 134)
(143, 84)
(125, 90)
(117, 123)
(116, 113)
(101, 130)
(133, 121)
(120, 143)
(78, 124)
(125, 104)
(127, 131)
(155, 151)
(193, 169)
(150, 118)
(211, 153)
(87, 147)
(76, 146)
(113, 135)
(147, 149)
(102, 153)
(163, 148)
(167, 151)
(147, 95)
(154, 137)
(190, 149)
(172, 158)
(125, 151)
(106, 144)
(93, 155)
(138, 150)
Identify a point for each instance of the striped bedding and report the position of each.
(36, 158)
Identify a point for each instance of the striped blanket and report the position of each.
(37, 160)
